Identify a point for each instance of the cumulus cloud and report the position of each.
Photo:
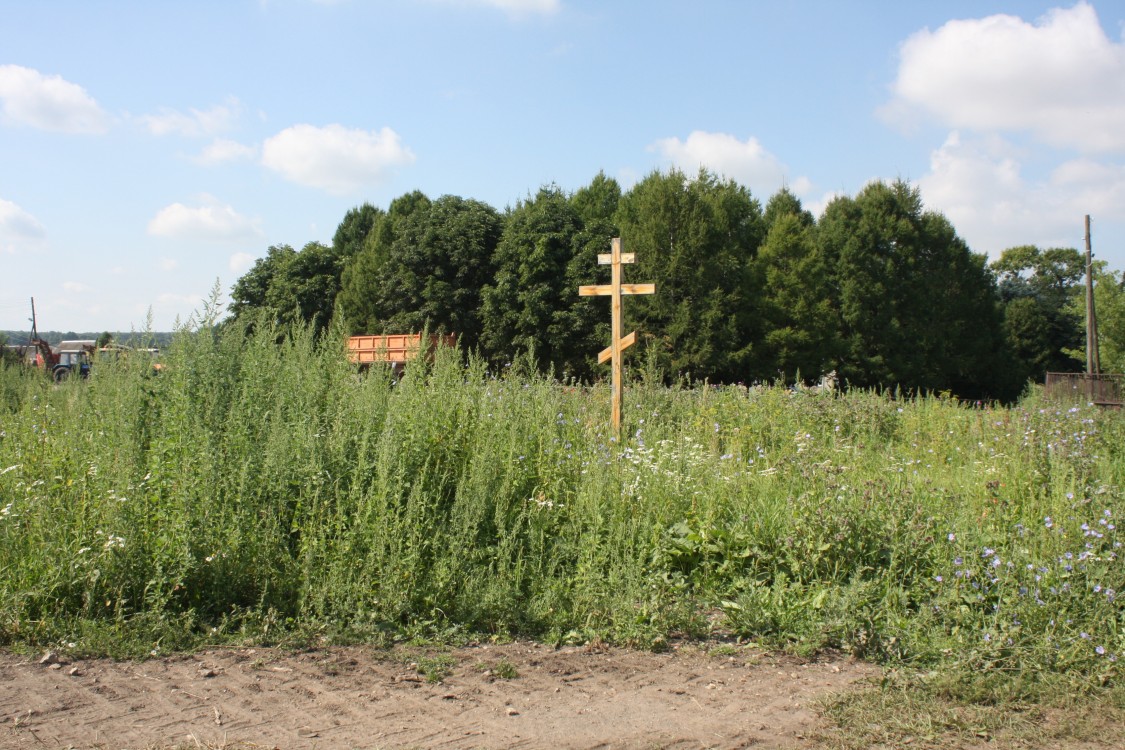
(194, 123)
(746, 162)
(979, 184)
(1061, 79)
(209, 220)
(27, 97)
(222, 151)
(19, 230)
(334, 158)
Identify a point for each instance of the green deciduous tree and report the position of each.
(353, 230)
(433, 271)
(785, 203)
(694, 238)
(532, 305)
(1109, 300)
(798, 317)
(917, 308)
(597, 201)
(359, 280)
(1037, 289)
(1109, 306)
(291, 287)
(251, 291)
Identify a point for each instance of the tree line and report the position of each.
(878, 288)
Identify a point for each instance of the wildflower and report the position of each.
(952, 537)
(958, 560)
(938, 579)
(1099, 650)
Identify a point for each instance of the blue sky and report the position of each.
(148, 149)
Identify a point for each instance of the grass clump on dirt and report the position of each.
(259, 489)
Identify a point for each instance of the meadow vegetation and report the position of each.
(266, 491)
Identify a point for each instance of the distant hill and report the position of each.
(125, 338)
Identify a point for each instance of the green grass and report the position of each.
(267, 493)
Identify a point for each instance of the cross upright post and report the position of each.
(619, 343)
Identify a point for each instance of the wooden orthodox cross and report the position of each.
(614, 290)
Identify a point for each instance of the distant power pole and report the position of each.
(1093, 362)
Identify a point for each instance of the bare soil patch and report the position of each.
(521, 695)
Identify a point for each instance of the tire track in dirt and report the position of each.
(572, 697)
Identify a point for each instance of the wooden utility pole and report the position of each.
(1093, 361)
(618, 344)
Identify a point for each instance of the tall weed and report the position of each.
(261, 485)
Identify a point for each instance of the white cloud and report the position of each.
(334, 158)
(511, 7)
(524, 6)
(210, 220)
(1060, 79)
(746, 162)
(74, 287)
(197, 122)
(222, 151)
(979, 185)
(240, 263)
(19, 230)
(48, 102)
(169, 264)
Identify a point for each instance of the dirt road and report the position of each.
(489, 696)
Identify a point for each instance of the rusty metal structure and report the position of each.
(395, 350)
